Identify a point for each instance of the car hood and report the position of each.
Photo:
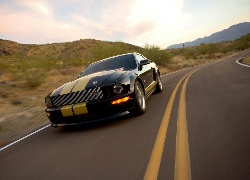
(98, 79)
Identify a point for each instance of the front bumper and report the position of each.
(93, 111)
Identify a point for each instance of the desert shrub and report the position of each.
(61, 64)
(210, 56)
(207, 48)
(186, 65)
(4, 65)
(225, 49)
(16, 102)
(103, 50)
(153, 52)
(33, 77)
(174, 67)
(242, 45)
(190, 52)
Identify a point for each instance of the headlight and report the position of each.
(48, 102)
(118, 88)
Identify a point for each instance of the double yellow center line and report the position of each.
(182, 158)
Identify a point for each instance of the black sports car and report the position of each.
(108, 87)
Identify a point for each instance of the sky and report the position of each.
(138, 22)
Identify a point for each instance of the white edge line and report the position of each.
(24, 137)
(172, 72)
(241, 63)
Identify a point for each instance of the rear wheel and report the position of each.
(140, 104)
(159, 84)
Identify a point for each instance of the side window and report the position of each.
(139, 58)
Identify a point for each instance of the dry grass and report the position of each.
(180, 62)
(22, 107)
(246, 60)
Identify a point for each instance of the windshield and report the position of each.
(126, 62)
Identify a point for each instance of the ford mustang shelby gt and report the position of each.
(105, 88)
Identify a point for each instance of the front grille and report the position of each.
(77, 97)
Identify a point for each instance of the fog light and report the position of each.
(122, 100)
(118, 88)
(48, 114)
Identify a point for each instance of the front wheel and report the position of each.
(140, 104)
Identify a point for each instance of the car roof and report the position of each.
(114, 57)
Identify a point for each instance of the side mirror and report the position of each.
(144, 62)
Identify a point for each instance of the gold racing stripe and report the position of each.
(153, 84)
(81, 84)
(68, 88)
(67, 111)
(80, 108)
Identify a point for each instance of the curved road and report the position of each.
(197, 128)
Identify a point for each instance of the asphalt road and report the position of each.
(207, 135)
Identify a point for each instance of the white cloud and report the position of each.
(167, 17)
(43, 9)
(158, 11)
(29, 27)
(36, 7)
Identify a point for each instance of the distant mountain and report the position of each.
(232, 33)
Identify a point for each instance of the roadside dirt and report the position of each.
(22, 107)
(246, 60)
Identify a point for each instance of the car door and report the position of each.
(146, 71)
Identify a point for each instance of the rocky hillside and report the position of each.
(63, 51)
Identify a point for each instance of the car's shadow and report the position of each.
(97, 124)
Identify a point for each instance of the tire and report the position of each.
(159, 84)
(140, 103)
